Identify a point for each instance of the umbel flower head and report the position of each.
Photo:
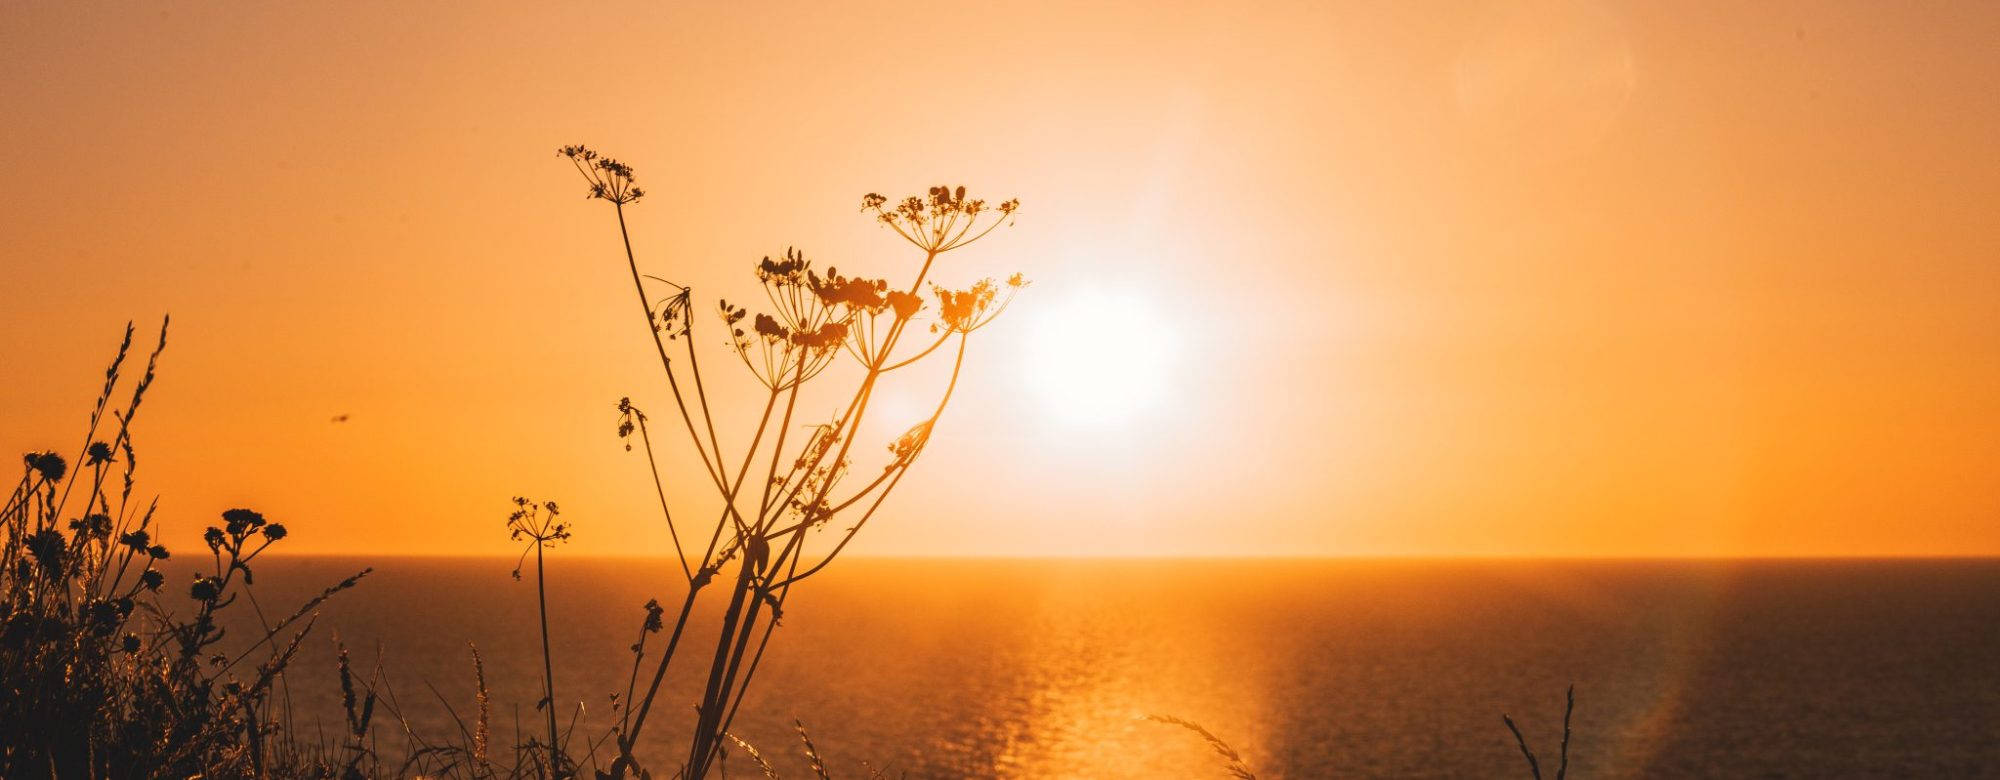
(609, 179)
(964, 311)
(536, 523)
(906, 446)
(812, 321)
(943, 220)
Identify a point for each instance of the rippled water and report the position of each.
(1038, 669)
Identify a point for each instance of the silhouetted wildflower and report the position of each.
(51, 466)
(818, 473)
(906, 304)
(964, 311)
(653, 613)
(789, 271)
(943, 220)
(671, 313)
(48, 548)
(95, 686)
(105, 614)
(609, 179)
(629, 419)
(906, 446)
(528, 522)
(95, 525)
(811, 317)
(796, 343)
(768, 327)
(827, 337)
(859, 295)
(242, 521)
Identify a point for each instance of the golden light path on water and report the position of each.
(1311, 669)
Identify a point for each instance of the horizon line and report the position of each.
(1232, 557)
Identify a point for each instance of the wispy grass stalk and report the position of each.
(1237, 767)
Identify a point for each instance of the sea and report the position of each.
(974, 668)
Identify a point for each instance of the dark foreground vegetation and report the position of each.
(109, 670)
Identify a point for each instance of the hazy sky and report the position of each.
(1430, 278)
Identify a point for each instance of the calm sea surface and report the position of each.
(951, 669)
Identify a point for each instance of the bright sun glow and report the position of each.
(1099, 358)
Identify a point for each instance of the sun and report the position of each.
(1099, 357)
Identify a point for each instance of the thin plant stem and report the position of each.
(816, 319)
(957, 365)
(1569, 707)
(548, 667)
(631, 737)
(660, 489)
(708, 716)
(666, 365)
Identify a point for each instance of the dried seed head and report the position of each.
(608, 179)
(51, 466)
(942, 220)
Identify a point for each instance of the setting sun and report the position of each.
(1080, 379)
(1399, 386)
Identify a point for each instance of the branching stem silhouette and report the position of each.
(666, 364)
(1534, 766)
(537, 523)
(816, 317)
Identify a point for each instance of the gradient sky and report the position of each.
(1522, 277)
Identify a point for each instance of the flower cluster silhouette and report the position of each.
(758, 543)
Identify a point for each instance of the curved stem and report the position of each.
(956, 366)
(701, 393)
(659, 346)
(660, 489)
(946, 336)
(777, 453)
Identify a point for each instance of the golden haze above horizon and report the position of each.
(1517, 278)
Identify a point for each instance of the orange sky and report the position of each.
(1516, 278)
